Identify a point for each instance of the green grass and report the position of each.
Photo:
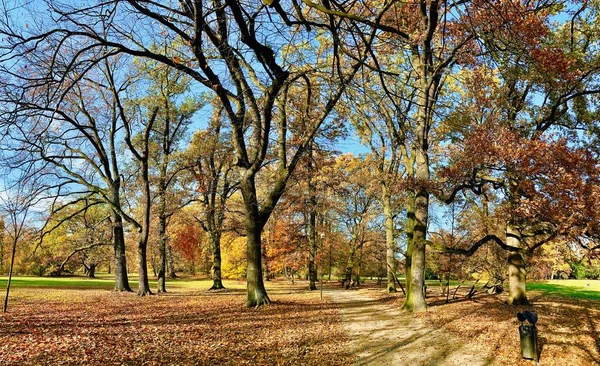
(575, 289)
(102, 282)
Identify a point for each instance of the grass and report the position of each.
(102, 282)
(574, 289)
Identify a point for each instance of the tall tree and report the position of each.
(166, 91)
(252, 70)
(71, 130)
(211, 165)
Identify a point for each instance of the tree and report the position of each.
(17, 203)
(253, 70)
(166, 91)
(71, 133)
(211, 166)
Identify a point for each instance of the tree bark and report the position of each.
(257, 294)
(312, 221)
(91, 271)
(416, 302)
(349, 267)
(162, 221)
(10, 273)
(312, 252)
(217, 279)
(389, 239)
(144, 232)
(410, 229)
(517, 289)
(121, 280)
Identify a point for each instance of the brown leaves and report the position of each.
(179, 328)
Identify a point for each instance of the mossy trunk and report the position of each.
(257, 294)
(517, 273)
(217, 278)
(416, 301)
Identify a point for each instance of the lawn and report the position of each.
(574, 289)
(74, 320)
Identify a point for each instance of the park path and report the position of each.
(381, 334)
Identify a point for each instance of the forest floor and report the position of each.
(79, 322)
(478, 331)
(74, 321)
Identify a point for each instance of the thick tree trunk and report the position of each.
(91, 272)
(410, 229)
(389, 239)
(257, 294)
(217, 280)
(416, 301)
(121, 280)
(517, 290)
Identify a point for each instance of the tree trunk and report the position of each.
(10, 273)
(171, 262)
(121, 280)
(389, 239)
(144, 285)
(144, 232)
(416, 302)
(312, 221)
(312, 252)
(517, 291)
(162, 220)
(349, 267)
(410, 229)
(257, 294)
(91, 271)
(217, 281)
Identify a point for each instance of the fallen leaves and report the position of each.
(69, 327)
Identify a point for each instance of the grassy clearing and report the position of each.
(574, 289)
(74, 320)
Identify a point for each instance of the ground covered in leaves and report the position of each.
(568, 327)
(187, 326)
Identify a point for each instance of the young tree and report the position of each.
(17, 203)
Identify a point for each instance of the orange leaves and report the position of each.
(546, 179)
(184, 327)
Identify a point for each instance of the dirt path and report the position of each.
(380, 334)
